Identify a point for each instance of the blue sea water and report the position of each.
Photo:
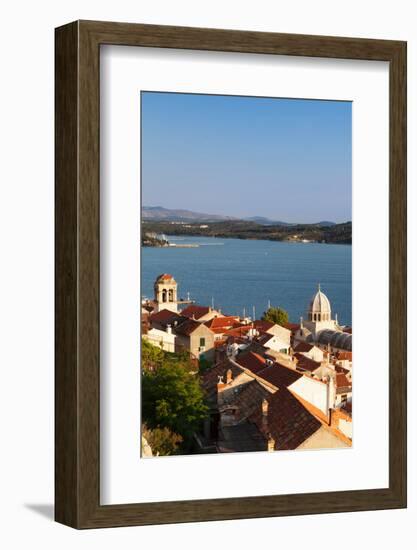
(240, 274)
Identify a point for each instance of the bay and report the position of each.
(241, 274)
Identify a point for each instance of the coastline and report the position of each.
(302, 234)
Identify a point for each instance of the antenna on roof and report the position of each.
(188, 296)
(254, 312)
(212, 302)
(244, 312)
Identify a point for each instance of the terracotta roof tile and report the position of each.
(279, 376)
(239, 331)
(342, 383)
(288, 421)
(347, 407)
(343, 355)
(164, 316)
(305, 363)
(195, 311)
(293, 327)
(187, 327)
(340, 369)
(251, 361)
(164, 277)
(262, 326)
(264, 338)
(223, 322)
(210, 377)
(303, 347)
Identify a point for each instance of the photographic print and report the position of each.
(246, 274)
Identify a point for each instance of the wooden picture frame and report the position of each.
(77, 405)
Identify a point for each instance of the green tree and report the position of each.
(162, 441)
(276, 315)
(152, 356)
(173, 398)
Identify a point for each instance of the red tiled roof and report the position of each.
(347, 407)
(195, 311)
(251, 361)
(348, 330)
(262, 326)
(264, 338)
(279, 376)
(293, 327)
(341, 369)
(187, 327)
(164, 316)
(248, 397)
(219, 343)
(231, 339)
(217, 330)
(288, 421)
(223, 322)
(303, 347)
(343, 355)
(164, 277)
(342, 383)
(210, 377)
(239, 331)
(306, 363)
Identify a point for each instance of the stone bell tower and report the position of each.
(165, 288)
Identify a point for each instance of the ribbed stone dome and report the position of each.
(320, 305)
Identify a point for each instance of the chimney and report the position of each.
(271, 443)
(229, 377)
(220, 384)
(331, 394)
(169, 329)
(265, 407)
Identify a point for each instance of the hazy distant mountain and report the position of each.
(159, 213)
(266, 221)
(326, 224)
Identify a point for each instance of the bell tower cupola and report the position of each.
(165, 290)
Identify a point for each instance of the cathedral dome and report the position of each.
(319, 309)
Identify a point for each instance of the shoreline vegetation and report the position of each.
(153, 232)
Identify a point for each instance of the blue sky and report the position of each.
(285, 159)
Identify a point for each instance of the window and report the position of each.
(202, 342)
